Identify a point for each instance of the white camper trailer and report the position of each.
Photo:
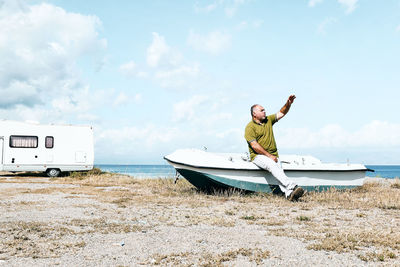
(49, 148)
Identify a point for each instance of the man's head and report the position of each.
(257, 113)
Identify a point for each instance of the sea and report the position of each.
(167, 171)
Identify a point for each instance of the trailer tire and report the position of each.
(53, 172)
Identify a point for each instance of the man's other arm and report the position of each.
(285, 109)
(261, 151)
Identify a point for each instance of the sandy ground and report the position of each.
(111, 220)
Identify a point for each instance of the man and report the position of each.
(263, 152)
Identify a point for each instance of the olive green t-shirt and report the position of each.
(263, 134)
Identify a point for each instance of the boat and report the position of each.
(220, 171)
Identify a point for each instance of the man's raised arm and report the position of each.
(285, 109)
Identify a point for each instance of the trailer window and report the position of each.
(23, 141)
(49, 141)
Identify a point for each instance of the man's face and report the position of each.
(259, 113)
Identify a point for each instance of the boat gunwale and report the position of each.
(286, 170)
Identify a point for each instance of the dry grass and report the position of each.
(102, 180)
(83, 174)
(335, 220)
(396, 183)
(104, 226)
(34, 239)
(43, 240)
(255, 255)
(370, 195)
(350, 221)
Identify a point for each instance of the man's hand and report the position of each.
(291, 99)
(285, 109)
(274, 158)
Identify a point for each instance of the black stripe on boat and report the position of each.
(286, 170)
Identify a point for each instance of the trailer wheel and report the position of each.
(53, 172)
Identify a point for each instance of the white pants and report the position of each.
(286, 185)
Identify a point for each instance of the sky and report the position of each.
(155, 76)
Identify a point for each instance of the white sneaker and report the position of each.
(291, 186)
(288, 192)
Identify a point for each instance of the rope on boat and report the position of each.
(177, 176)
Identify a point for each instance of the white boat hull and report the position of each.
(247, 176)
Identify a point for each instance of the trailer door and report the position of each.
(1, 152)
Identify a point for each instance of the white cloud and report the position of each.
(205, 9)
(132, 137)
(138, 98)
(230, 132)
(100, 63)
(257, 23)
(39, 49)
(121, 99)
(159, 54)
(199, 122)
(166, 66)
(313, 3)
(203, 111)
(78, 101)
(245, 24)
(242, 25)
(178, 77)
(213, 43)
(131, 70)
(128, 69)
(230, 11)
(185, 110)
(156, 50)
(232, 7)
(88, 117)
(324, 24)
(142, 74)
(24, 113)
(191, 70)
(19, 92)
(378, 134)
(398, 29)
(79, 104)
(350, 5)
(216, 117)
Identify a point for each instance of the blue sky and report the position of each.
(155, 76)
